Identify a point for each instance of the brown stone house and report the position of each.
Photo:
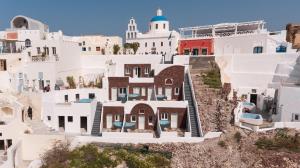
(167, 84)
(144, 116)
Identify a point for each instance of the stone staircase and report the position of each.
(195, 126)
(97, 120)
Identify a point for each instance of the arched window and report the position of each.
(27, 43)
(258, 49)
(128, 35)
(281, 49)
(131, 35)
(169, 81)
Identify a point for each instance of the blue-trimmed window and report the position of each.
(281, 49)
(258, 49)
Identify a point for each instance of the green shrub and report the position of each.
(222, 144)
(264, 143)
(237, 136)
(213, 79)
(158, 161)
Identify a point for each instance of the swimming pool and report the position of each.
(248, 104)
(85, 100)
(251, 116)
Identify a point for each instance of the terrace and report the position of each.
(222, 30)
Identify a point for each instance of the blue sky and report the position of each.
(110, 17)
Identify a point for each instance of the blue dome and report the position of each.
(158, 18)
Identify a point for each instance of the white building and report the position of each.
(158, 40)
(98, 44)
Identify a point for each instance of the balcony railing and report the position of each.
(40, 58)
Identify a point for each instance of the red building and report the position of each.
(196, 47)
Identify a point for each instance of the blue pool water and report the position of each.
(164, 122)
(248, 104)
(85, 100)
(252, 116)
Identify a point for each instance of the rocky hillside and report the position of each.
(214, 108)
(236, 148)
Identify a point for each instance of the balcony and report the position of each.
(40, 58)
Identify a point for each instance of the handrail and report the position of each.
(158, 129)
(195, 102)
(155, 97)
(124, 121)
(101, 122)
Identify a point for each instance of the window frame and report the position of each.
(176, 91)
(164, 116)
(70, 118)
(127, 70)
(117, 117)
(131, 118)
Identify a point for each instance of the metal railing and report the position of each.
(194, 101)
(101, 121)
(188, 110)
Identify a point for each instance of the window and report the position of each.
(161, 43)
(66, 98)
(147, 70)
(127, 70)
(186, 51)
(83, 49)
(153, 44)
(136, 90)
(133, 118)
(2, 65)
(150, 120)
(170, 43)
(164, 116)
(146, 44)
(27, 43)
(164, 26)
(195, 51)
(0, 133)
(46, 50)
(281, 49)
(80, 44)
(296, 117)
(38, 49)
(83, 43)
(204, 51)
(70, 118)
(92, 95)
(169, 81)
(143, 92)
(133, 28)
(77, 97)
(177, 91)
(160, 91)
(128, 35)
(122, 91)
(156, 26)
(142, 111)
(98, 49)
(29, 54)
(49, 118)
(54, 50)
(117, 117)
(258, 49)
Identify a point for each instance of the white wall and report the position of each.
(288, 103)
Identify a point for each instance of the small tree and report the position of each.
(127, 46)
(116, 49)
(71, 82)
(135, 47)
(103, 51)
